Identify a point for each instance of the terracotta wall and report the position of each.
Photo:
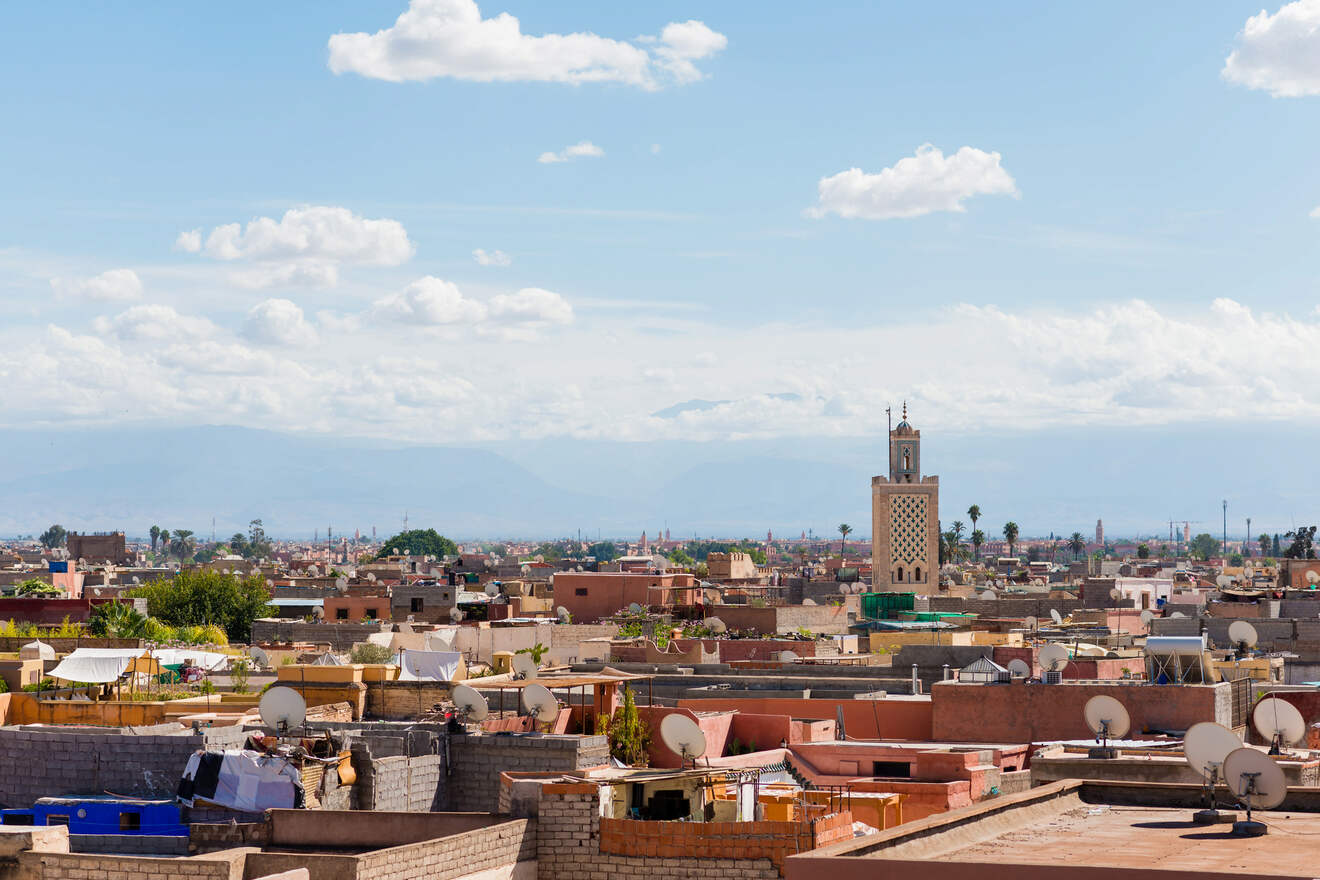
(737, 840)
(902, 718)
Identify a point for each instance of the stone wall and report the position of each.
(340, 636)
(1015, 608)
(457, 855)
(477, 761)
(46, 763)
(400, 782)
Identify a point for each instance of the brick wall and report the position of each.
(477, 761)
(399, 782)
(404, 700)
(775, 841)
(106, 867)
(51, 763)
(456, 855)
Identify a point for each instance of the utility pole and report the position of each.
(1225, 547)
(1246, 545)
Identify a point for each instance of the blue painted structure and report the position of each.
(102, 815)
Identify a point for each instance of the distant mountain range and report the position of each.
(1060, 481)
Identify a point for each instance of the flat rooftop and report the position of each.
(1102, 829)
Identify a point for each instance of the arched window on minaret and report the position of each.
(899, 579)
(916, 574)
(907, 459)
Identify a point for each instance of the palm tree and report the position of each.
(978, 538)
(1077, 544)
(845, 530)
(1011, 536)
(974, 513)
(165, 541)
(155, 536)
(182, 544)
(958, 528)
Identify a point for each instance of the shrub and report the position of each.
(369, 652)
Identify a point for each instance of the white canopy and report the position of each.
(208, 660)
(37, 650)
(428, 665)
(97, 665)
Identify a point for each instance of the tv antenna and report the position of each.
(1107, 719)
(282, 708)
(1279, 722)
(1258, 783)
(683, 737)
(1205, 746)
(524, 667)
(540, 703)
(469, 703)
(1243, 635)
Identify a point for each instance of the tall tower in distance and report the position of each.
(905, 517)
(1100, 533)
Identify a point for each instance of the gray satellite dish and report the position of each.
(313, 571)
(524, 667)
(1312, 577)
(492, 590)
(1019, 668)
(1116, 593)
(469, 703)
(988, 595)
(1147, 616)
(683, 737)
(259, 657)
(844, 589)
(1053, 657)
(788, 657)
(1258, 783)
(1107, 719)
(1224, 580)
(714, 624)
(1206, 744)
(1279, 722)
(456, 614)
(341, 584)
(540, 703)
(1055, 616)
(563, 614)
(282, 709)
(1178, 615)
(808, 601)
(1030, 622)
(1242, 633)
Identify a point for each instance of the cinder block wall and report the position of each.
(51, 763)
(477, 761)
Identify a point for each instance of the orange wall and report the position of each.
(862, 719)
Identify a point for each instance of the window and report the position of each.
(444, 597)
(17, 819)
(916, 573)
(341, 614)
(130, 821)
(900, 769)
(580, 591)
(57, 819)
(416, 604)
(899, 578)
(369, 614)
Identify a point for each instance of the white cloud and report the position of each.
(278, 322)
(190, 242)
(916, 185)
(431, 301)
(531, 305)
(1279, 53)
(306, 247)
(580, 150)
(449, 38)
(113, 285)
(655, 149)
(1315, 213)
(492, 258)
(154, 323)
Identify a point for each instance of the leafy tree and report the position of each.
(165, 541)
(548, 552)
(367, 652)
(181, 545)
(238, 543)
(630, 736)
(258, 545)
(1236, 559)
(419, 542)
(1276, 548)
(1303, 543)
(1033, 554)
(1011, 536)
(974, 513)
(678, 557)
(155, 536)
(1143, 551)
(36, 588)
(845, 530)
(978, 538)
(604, 551)
(118, 620)
(1077, 544)
(1264, 542)
(53, 537)
(200, 598)
(1203, 546)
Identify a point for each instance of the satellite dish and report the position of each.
(313, 571)
(845, 589)
(714, 624)
(1030, 622)
(136, 580)
(1248, 571)
(634, 608)
(1279, 722)
(269, 582)
(1107, 718)
(456, 614)
(318, 612)
(1055, 616)
(282, 708)
(563, 614)
(1312, 577)
(988, 595)
(1242, 633)
(540, 703)
(1053, 657)
(469, 703)
(492, 590)
(1019, 668)
(1147, 616)
(1224, 580)
(1205, 745)
(788, 657)
(1257, 781)
(683, 737)
(1116, 593)
(524, 667)
(259, 657)
(1178, 614)
(341, 584)
(808, 601)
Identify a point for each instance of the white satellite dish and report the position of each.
(1055, 616)
(683, 737)
(1248, 571)
(524, 667)
(1178, 615)
(1224, 580)
(808, 601)
(788, 657)
(456, 614)
(1030, 622)
(1107, 718)
(1242, 633)
(313, 571)
(492, 590)
(1019, 668)
(341, 584)
(136, 580)
(1312, 577)
(1279, 722)
(714, 624)
(1053, 657)
(634, 608)
(540, 703)
(282, 709)
(1116, 593)
(845, 589)
(259, 657)
(1205, 745)
(1147, 616)
(988, 595)
(1257, 781)
(563, 614)
(469, 703)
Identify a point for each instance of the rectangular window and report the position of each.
(416, 604)
(130, 821)
(341, 614)
(892, 769)
(57, 819)
(369, 614)
(580, 591)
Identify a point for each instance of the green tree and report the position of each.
(201, 598)
(1236, 559)
(978, 538)
(1011, 536)
(1143, 551)
(1276, 549)
(974, 513)
(845, 530)
(1203, 546)
(36, 588)
(629, 735)
(679, 557)
(548, 552)
(53, 537)
(603, 551)
(1303, 543)
(257, 545)
(419, 542)
(165, 541)
(1264, 542)
(118, 620)
(367, 652)
(155, 536)
(1077, 544)
(181, 545)
(238, 543)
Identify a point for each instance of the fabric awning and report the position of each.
(428, 665)
(208, 660)
(100, 665)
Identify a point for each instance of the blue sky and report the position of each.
(1135, 245)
